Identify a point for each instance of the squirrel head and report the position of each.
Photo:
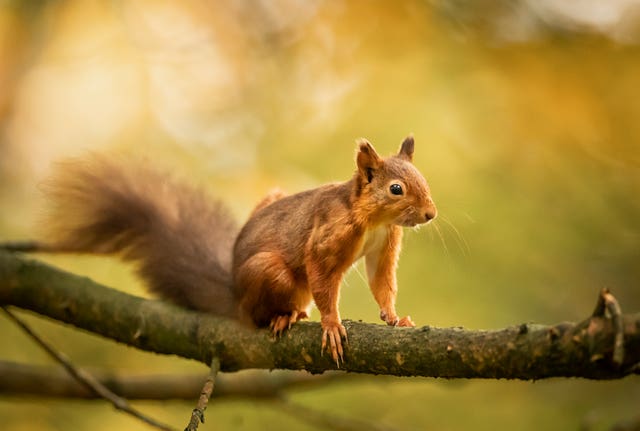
(391, 189)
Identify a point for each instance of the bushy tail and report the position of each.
(180, 239)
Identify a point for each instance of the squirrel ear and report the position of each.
(367, 159)
(406, 149)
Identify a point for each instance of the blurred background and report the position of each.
(526, 116)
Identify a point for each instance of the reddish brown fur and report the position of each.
(292, 250)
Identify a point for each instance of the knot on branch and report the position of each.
(608, 308)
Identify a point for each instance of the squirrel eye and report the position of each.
(396, 189)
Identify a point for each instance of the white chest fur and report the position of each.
(373, 239)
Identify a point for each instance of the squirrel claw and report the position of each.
(334, 334)
(284, 321)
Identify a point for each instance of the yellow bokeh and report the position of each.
(526, 127)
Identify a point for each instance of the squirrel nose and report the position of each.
(431, 213)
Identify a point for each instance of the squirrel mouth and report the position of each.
(408, 223)
(412, 222)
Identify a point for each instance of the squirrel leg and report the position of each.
(269, 293)
(381, 266)
(325, 291)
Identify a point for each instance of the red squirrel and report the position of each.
(292, 251)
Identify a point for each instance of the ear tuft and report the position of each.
(364, 146)
(406, 149)
(367, 159)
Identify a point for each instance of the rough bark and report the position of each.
(526, 351)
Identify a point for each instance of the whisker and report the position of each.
(433, 230)
(357, 270)
(460, 238)
(444, 244)
(468, 216)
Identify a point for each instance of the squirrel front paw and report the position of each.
(389, 317)
(393, 320)
(333, 331)
(406, 322)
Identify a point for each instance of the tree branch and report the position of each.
(87, 379)
(524, 351)
(197, 415)
(17, 379)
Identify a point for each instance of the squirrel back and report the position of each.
(180, 239)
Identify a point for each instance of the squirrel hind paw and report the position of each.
(282, 322)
